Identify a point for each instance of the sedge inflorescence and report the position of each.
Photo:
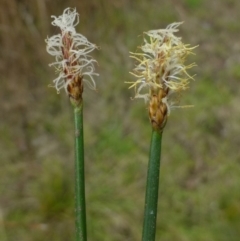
(161, 71)
(73, 63)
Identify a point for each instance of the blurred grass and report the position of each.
(199, 193)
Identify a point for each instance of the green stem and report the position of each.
(151, 198)
(80, 208)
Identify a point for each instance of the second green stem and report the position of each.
(151, 198)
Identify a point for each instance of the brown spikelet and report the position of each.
(71, 50)
(158, 110)
(160, 70)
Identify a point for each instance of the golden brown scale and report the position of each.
(75, 90)
(158, 110)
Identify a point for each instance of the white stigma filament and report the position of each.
(161, 64)
(71, 51)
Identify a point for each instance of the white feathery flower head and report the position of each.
(71, 51)
(160, 65)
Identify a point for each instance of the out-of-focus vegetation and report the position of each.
(200, 173)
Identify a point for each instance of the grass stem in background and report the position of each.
(151, 198)
(80, 206)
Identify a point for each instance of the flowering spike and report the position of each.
(71, 50)
(161, 71)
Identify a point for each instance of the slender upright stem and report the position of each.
(151, 198)
(80, 207)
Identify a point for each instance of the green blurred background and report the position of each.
(200, 169)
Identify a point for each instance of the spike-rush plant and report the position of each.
(75, 68)
(161, 72)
